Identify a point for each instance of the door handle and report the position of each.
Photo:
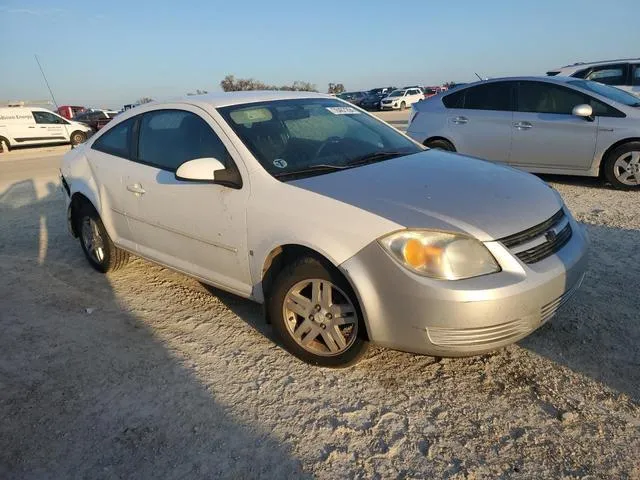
(523, 125)
(137, 189)
(460, 120)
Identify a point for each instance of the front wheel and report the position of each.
(77, 138)
(316, 314)
(622, 166)
(403, 105)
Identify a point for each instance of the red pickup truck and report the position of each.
(70, 111)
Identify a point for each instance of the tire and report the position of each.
(77, 137)
(291, 309)
(440, 144)
(622, 166)
(402, 106)
(94, 236)
(4, 145)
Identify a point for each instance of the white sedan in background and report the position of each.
(401, 99)
(346, 229)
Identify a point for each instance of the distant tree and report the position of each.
(336, 88)
(143, 100)
(198, 92)
(232, 84)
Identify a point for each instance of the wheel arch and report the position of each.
(608, 151)
(78, 199)
(438, 137)
(283, 255)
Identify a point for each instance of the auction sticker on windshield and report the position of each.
(343, 110)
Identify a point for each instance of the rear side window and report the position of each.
(608, 74)
(168, 138)
(635, 78)
(489, 96)
(454, 100)
(117, 140)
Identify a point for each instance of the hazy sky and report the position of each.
(113, 52)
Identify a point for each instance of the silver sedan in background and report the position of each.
(555, 125)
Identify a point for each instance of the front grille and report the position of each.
(545, 238)
(533, 232)
(546, 249)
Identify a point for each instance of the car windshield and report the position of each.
(611, 93)
(397, 93)
(312, 136)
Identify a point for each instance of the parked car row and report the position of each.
(390, 98)
(553, 124)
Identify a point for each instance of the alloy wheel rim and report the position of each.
(627, 168)
(320, 317)
(92, 239)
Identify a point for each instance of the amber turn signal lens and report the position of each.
(414, 253)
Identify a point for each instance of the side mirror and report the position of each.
(200, 169)
(584, 111)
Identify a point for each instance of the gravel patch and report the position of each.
(144, 373)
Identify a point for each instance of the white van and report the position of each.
(33, 126)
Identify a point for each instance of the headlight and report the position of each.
(440, 255)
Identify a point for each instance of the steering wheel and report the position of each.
(329, 141)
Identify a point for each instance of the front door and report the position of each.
(195, 227)
(50, 127)
(546, 134)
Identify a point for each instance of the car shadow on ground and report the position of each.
(89, 390)
(597, 333)
(590, 182)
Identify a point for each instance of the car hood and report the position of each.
(445, 191)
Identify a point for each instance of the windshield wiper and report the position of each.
(311, 170)
(375, 157)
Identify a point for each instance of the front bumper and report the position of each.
(408, 312)
(389, 106)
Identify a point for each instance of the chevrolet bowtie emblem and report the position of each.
(551, 236)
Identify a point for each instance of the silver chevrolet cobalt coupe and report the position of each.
(346, 229)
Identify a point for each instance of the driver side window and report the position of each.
(47, 118)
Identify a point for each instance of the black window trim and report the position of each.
(618, 114)
(233, 178)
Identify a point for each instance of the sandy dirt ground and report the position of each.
(144, 373)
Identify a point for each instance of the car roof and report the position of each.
(601, 62)
(538, 78)
(224, 99)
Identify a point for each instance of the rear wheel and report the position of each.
(316, 314)
(77, 137)
(100, 251)
(622, 166)
(440, 144)
(403, 105)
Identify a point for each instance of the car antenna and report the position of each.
(481, 79)
(45, 81)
